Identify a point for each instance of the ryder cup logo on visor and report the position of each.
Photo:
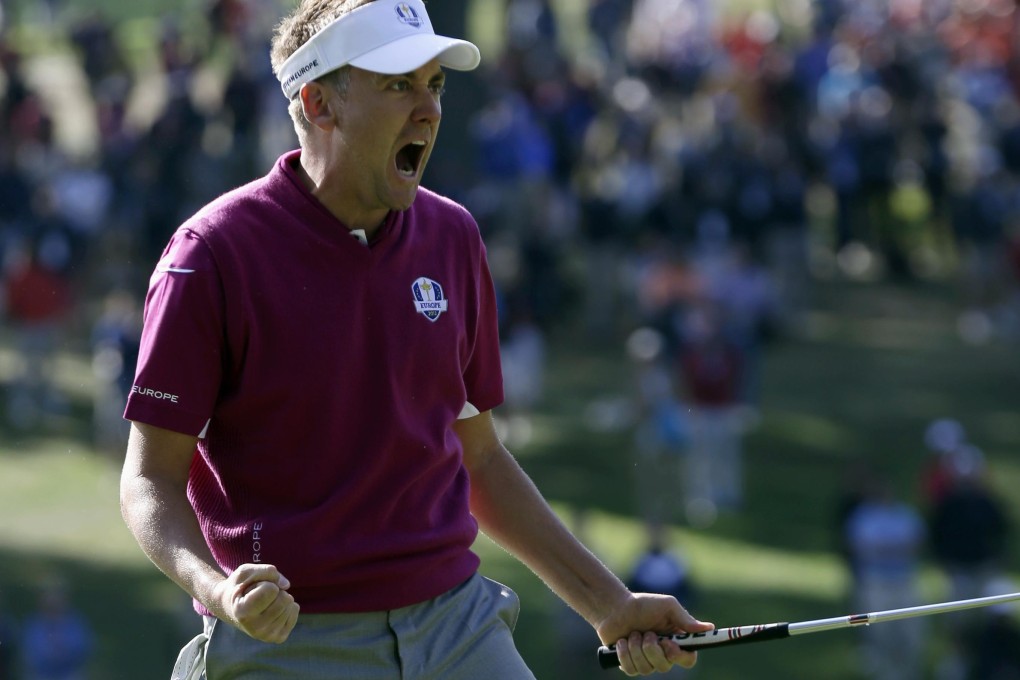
(428, 298)
(370, 37)
(408, 15)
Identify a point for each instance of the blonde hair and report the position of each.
(297, 28)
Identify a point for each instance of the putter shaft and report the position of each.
(724, 637)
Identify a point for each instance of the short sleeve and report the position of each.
(180, 359)
(483, 375)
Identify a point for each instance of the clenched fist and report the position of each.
(254, 598)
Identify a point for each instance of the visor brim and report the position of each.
(412, 52)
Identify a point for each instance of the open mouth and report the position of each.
(409, 158)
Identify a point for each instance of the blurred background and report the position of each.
(758, 264)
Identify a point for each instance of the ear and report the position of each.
(317, 104)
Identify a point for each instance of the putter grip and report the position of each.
(720, 637)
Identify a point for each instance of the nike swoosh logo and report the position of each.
(175, 270)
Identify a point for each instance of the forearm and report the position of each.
(511, 511)
(163, 523)
(154, 503)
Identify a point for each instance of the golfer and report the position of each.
(312, 452)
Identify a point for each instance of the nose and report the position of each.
(427, 107)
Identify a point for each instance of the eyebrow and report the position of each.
(382, 77)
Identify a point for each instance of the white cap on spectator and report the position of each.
(944, 435)
(381, 36)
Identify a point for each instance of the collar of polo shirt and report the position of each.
(381, 36)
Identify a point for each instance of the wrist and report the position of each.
(605, 618)
(212, 591)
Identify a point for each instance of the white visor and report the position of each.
(381, 36)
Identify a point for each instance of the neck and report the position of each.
(315, 176)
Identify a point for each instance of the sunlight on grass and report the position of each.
(74, 376)
(72, 370)
(820, 434)
(717, 563)
(879, 333)
(61, 499)
(721, 563)
(892, 334)
(825, 403)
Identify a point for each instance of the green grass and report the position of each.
(877, 363)
(59, 519)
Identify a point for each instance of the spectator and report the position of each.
(38, 300)
(982, 211)
(749, 314)
(993, 643)
(115, 339)
(522, 353)
(969, 530)
(944, 438)
(662, 569)
(57, 640)
(858, 481)
(606, 20)
(711, 370)
(885, 537)
(661, 433)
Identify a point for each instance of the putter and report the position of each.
(722, 637)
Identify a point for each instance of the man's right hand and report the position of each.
(254, 598)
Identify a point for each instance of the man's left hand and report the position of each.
(635, 629)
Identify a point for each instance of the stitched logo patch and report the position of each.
(428, 298)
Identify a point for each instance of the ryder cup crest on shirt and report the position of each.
(429, 299)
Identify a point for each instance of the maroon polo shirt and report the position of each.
(322, 377)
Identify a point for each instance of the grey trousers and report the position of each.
(464, 634)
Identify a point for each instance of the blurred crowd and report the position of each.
(669, 177)
(681, 165)
(960, 524)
